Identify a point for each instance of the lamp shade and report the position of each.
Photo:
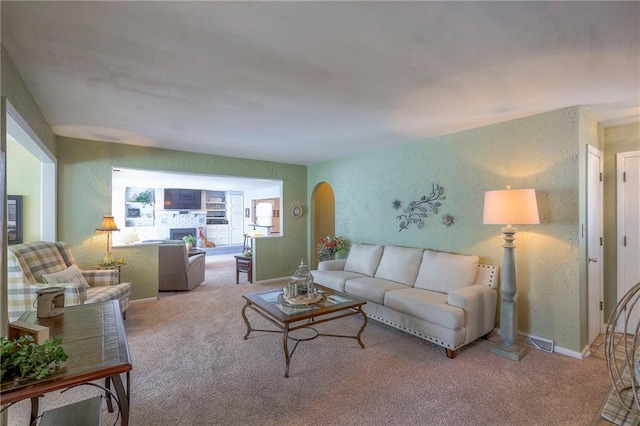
(264, 214)
(510, 207)
(108, 224)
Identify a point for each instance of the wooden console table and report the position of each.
(94, 338)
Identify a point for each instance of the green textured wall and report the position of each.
(84, 196)
(17, 93)
(540, 152)
(617, 139)
(23, 178)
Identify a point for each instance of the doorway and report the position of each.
(28, 157)
(628, 232)
(323, 219)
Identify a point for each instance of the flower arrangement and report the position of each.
(329, 246)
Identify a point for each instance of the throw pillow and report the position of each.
(363, 258)
(446, 272)
(70, 275)
(399, 264)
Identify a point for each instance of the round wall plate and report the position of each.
(296, 210)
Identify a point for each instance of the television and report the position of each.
(182, 199)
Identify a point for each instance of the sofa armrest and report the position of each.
(195, 272)
(101, 277)
(479, 305)
(195, 258)
(332, 265)
(74, 293)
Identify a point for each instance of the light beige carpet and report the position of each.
(192, 367)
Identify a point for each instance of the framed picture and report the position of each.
(14, 219)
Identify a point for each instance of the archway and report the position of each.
(323, 219)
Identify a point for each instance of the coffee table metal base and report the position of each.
(287, 328)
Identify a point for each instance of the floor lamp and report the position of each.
(509, 207)
(108, 226)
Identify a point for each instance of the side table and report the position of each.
(116, 266)
(244, 264)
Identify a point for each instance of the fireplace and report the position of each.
(178, 233)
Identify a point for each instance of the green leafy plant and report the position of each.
(22, 357)
(145, 197)
(189, 239)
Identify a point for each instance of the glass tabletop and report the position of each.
(274, 303)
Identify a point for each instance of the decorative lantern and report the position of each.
(301, 282)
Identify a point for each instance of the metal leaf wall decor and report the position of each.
(416, 211)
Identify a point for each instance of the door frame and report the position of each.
(621, 189)
(595, 286)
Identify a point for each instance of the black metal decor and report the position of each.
(416, 211)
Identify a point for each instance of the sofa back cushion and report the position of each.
(400, 264)
(446, 272)
(363, 258)
(37, 258)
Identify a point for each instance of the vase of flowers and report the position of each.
(329, 246)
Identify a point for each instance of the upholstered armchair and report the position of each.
(39, 264)
(177, 270)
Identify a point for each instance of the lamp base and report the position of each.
(511, 351)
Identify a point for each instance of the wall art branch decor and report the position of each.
(416, 211)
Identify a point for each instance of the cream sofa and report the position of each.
(445, 298)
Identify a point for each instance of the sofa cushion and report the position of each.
(363, 258)
(425, 305)
(446, 272)
(372, 289)
(400, 264)
(334, 279)
(70, 275)
(120, 292)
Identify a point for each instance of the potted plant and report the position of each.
(22, 357)
(190, 241)
(145, 197)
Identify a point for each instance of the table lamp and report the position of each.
(509, 207)
(108, 226)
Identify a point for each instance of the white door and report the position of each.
(236, 218)
(594, 243)
(628, 233)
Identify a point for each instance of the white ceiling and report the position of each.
(303, 82)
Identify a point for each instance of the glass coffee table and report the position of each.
(288, 318)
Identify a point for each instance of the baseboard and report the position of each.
(572, 354)
(148, 299)
(558, 349)
(586, 352)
